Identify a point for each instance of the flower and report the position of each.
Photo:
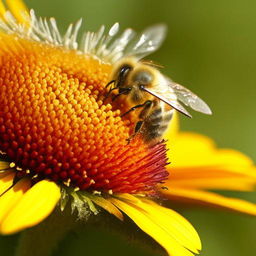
(62, 143)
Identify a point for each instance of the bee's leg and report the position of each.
(109, 92)
(121, 92)
(142, 115)
(111, 89)
(111, 82)
(146, 104)
(138, 127)
(144, 112)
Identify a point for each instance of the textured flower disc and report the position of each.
(53, 122)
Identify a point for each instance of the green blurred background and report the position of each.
(211, 49)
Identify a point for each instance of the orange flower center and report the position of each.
(54, 124)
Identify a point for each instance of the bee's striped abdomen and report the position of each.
(156, 123)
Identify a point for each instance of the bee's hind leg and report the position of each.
(137, 129)
(145, 109)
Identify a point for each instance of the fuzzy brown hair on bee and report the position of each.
(154, 96)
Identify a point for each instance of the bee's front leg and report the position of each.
(111, 88)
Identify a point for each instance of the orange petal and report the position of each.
(227, 178)
(237, 184)
(210, 199)
(34, 206)
(212, 172)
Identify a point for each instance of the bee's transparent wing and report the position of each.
(147, 42)
(168, 99)
(189, 98)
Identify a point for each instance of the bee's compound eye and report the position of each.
(124, 70)
(122, 74)
(143, 77)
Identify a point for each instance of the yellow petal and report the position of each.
(139, 201)
(129, 198)
(106, 205)
(191, 149)
(9, 199)
(35, 205)
(210, 199)
(4, 165)
(18, 9)
(179, 227)
(197, 163)
(2, 9)
(6, 181)
(166, 227)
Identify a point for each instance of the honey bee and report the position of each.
(146, 90)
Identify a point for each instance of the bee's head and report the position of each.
(137, 78)
(129, 75)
